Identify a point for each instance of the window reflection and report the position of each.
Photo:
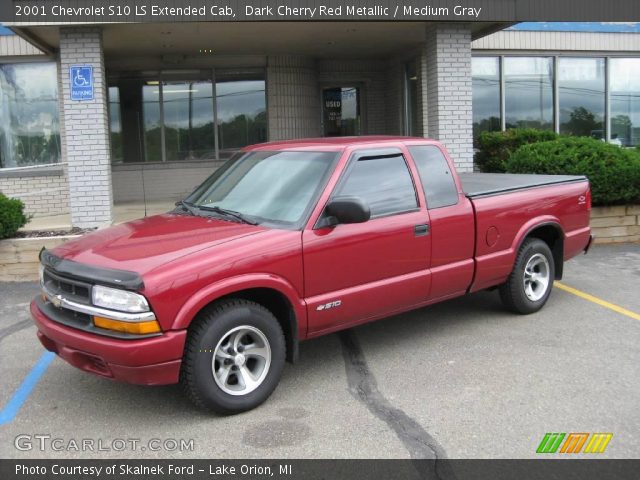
(115, 124)
(384, 184)
(529, 92)
(625, 101)
(188, 120)
(581, 84)
(29, 118)
(157, 119)
(486, 95)
(242, 113)
(151, 121)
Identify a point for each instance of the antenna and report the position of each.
(144, 192)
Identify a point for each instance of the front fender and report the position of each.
(231, 285)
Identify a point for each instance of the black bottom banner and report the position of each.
(542, 469)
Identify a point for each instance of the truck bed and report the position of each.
(477, 185)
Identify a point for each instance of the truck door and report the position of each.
(358, 272)
(452, 223)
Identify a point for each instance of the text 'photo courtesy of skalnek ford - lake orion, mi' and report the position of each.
(289, 239)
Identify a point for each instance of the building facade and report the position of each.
(170, 102)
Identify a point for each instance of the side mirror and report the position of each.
(344, 210)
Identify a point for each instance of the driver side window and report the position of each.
(384, 183)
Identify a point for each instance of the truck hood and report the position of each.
(142, 245)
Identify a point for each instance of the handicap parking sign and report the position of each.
(81, 77)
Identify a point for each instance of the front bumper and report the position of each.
(149, 361)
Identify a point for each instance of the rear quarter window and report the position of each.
(436, 176)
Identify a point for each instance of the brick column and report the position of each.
(85, 130)
(293, 97)
(448, 99)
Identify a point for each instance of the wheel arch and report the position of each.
(552, 234)
(273, 293)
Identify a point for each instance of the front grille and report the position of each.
(67, 317)
(70, 289)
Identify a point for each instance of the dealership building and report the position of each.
(97, 115)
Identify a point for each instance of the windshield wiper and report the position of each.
(229, 213)
(189, 207)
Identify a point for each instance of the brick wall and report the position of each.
(447, 59)
(42, 193)
(19, 258)
(616, 224)
(293, 98)
(85, 130)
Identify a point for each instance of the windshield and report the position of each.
(266, 186)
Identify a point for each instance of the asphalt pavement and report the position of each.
(462, 379)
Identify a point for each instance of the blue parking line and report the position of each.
(13, 406)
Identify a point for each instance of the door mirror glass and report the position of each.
(344, 210)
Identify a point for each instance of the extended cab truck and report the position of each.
(292, 240)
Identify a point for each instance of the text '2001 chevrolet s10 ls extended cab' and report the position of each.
(292, 240)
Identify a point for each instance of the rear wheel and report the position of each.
(529, 285)
(234, 357)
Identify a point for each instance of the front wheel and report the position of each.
(234, 357)
(528, 287)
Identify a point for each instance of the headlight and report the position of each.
(121, 300)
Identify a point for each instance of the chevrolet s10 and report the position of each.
(291, 240)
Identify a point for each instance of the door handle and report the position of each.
(421, 230)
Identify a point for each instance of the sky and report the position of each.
(539, 26)
(633, 27)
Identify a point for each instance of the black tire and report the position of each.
(513, 293)
(205, 334)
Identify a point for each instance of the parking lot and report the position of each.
(463, 379)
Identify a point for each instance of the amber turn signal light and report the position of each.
(135, 328)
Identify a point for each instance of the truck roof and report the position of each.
(333, 143)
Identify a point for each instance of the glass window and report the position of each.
(29, 117)
(341, 111)
(529, 92)
(151, 121)
(271, 186)
(242, 111)
(581, 85)
(188, 120)
(115, 124)
(169, 116)
(625, 101)
(435, 174)
(383, 183)
(486, 95)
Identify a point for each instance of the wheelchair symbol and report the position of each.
(79, 80)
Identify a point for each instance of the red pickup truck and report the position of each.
(296, 239)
